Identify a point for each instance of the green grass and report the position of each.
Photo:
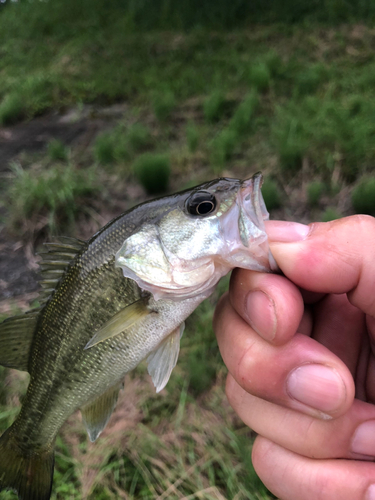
(271, 194)
(215, 107)
(163, 104)
(153, 172)
(222, 148)
(315, 189)
(48, 197)
(243, 120)
(56, 150)
(330, 213)
(363, 196)
(260, 76)
(315, 99)
(121, 144)
(192, 136)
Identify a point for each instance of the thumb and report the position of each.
(330, 257)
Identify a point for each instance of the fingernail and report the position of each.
(370, 493)
(286, 232)
(317, 386)
(261, 314)
(364, 440)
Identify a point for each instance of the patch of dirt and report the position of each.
(76, 128)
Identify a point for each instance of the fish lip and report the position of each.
(251, 203)
(250, 191)
(253, 206)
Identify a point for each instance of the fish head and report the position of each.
(199, 236)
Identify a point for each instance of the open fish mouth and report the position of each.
(244, 230)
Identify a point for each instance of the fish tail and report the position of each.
(29, 474)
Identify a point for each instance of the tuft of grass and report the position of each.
(57, 150)
(309, 79)
(11, 109)
(55, 194)
(274, 63)
(330, 213)
(215, 107)
(271, 194)
(121, 144)
(30, 97)
(363, 196)
(243, 117)
(138, 137)
(192, 136)
(153, 172)
(163, 104)
(315, 189)
(223, 146)
(104, 148)
(291, 145)
(260, 76)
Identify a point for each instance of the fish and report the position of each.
(117, 299)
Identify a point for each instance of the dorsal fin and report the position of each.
(55, 260)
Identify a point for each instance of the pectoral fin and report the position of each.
(96, 414)
(162, 361)
(119, 322)
(16, 335)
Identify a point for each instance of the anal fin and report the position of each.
(162, 361)
(95, 415)
(120, 322)
(16, 335)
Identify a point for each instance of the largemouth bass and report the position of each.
(113, 301)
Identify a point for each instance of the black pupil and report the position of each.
(201, 203)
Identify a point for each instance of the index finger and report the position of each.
(332, 257)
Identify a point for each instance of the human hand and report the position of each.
(299, 348)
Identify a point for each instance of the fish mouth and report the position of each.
(244, 224)
(251, 200)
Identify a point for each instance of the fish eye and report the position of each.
(201, 203)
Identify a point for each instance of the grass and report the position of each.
(153, 172)
(306, 98)
(330, 213)
(271, 194)
(222, 148)
(215, 107)
(163, 105)
(56, 150)
(48, 197)
(260, 76)
(315, 189)
(243, 119)
(192, 136)
(121, 144)
(363, 196)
